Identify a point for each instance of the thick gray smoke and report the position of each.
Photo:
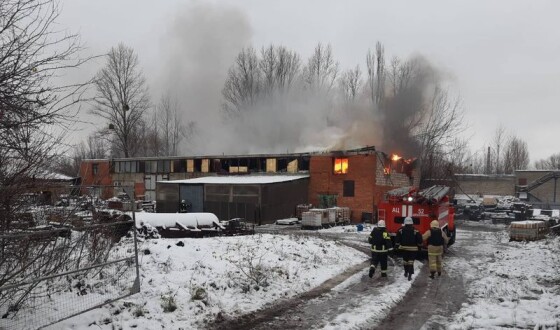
(199, 47)
(202, 44)
(404, 107)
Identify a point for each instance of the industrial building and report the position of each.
(262, 187)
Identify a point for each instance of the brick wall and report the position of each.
(102, 180)
(361, 170)
(370, 182)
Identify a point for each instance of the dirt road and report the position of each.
(426, 305)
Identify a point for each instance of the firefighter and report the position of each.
(437, 241)
(183, 208)
(409, 242)
(380, 246)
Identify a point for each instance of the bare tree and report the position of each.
(242, 85)
(279, 67)
(153, 141)
(267, 65)
(478, 164)
(459, 156)
(498, 142)
(441, 122)
(321, 70)
(550, 163)
(287, 68)
(122, 96)
(350, 83)
(95, 147)
(171, 128)
(33, 107)
(376, 73)
(516, 155)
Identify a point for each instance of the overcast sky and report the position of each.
(503, 56)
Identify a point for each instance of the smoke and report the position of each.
(197, 50)
(404, 106)
(201, 46)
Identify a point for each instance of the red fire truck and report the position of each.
(423, 207)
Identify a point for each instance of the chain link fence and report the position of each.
(60, 259)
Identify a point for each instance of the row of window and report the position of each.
(340, 166)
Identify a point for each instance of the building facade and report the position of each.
(351, 178)
(259, 199)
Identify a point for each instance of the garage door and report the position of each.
(193, 196)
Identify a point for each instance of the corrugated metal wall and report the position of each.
(279, 200)
(167, 197)
(256, 203)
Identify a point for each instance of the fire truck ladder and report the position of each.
(434, 194)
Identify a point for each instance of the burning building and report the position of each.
(355, 178)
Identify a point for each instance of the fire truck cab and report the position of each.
(423, 207)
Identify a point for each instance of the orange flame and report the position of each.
(395, 157)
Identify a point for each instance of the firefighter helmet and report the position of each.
(434, 224)
(408, 221)
(381, 224)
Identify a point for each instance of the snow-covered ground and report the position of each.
(188, 286)
(509, 284)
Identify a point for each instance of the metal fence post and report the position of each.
(136, 285)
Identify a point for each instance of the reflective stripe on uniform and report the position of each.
(434, 253)
(378, 251)
(408, 248)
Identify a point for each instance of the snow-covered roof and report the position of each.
(241, 179)
(46, 174)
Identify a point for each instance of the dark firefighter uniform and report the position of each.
(380, 246)
(437, 240)
(183, 207)
(409, 241)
